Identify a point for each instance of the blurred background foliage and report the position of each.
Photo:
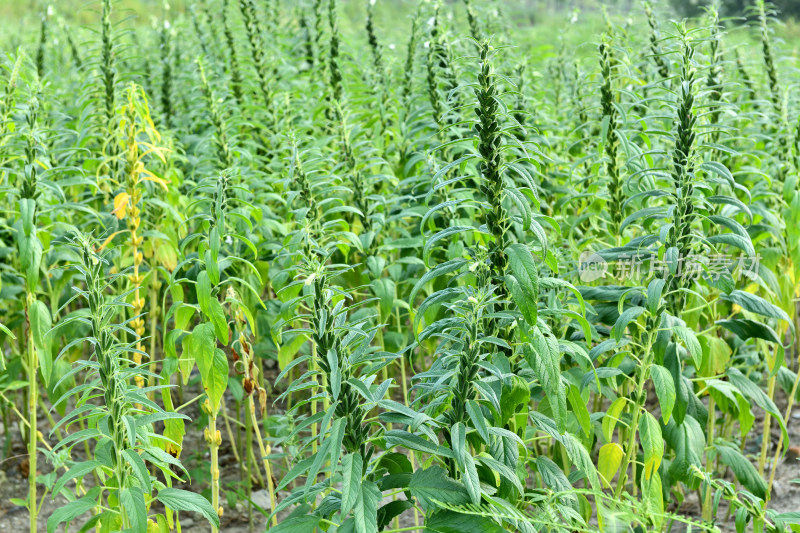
(550, 18)
(528, 10)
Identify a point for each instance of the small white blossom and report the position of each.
(50, 11)
(427, 44)
(431, 21)
(372, 2)
(391, 46)
(166, 25)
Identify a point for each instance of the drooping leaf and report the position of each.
(665, 390)
(184, 500)
(544, 358)
(447, 521)
(352, 468)
(433, 485)
(652, 443)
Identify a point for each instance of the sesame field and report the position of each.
(428, 266)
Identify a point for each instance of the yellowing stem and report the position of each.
(264, 457)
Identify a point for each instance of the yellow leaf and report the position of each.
(121, 205)
(146, 176)
(108, 239)
(612, 417)
(609, 460)
(167, 256)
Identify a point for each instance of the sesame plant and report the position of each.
(390, 267)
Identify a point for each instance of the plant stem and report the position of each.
(214, 439)
(762, 459)
(33, 434)
(712, 416)
(264, 457)
(640, 397)
(789, 406)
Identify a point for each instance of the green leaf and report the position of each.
(433, 485)
(435, 272)
(756, 304)
(524, 281)
(555, 479)
(211, 362)
(688, 442)
(204, 292)
(391, 510)
(750, 329)
(352, 470)
(384, 289)
(654, 290)
(478, 420)
(77, 471)
(752, 392)
(652, 443)
(72, 510)
(580, 410)
(625, 318)
(665, 390)
(365, 512)
(692, 344)
(416, 443)
(184, 500)
(545, 359)
(289, 349)
(30, 258)
(447, 521)
(40, 326)
(139, 468)
(443, 234)
(465, 461)
(132, 501)
(522, 204)
(742, 468)
(211, 307)
(297, 524)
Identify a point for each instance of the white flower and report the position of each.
(391, 46)
(166, 25)
(372, 2)
(50, 11)
(228, 239)
(427, 44)
(431, 21)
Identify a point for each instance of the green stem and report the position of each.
(639, 401)
(33, 434)
(765, 436)
(712, 417)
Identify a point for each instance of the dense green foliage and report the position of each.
(460, 283)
